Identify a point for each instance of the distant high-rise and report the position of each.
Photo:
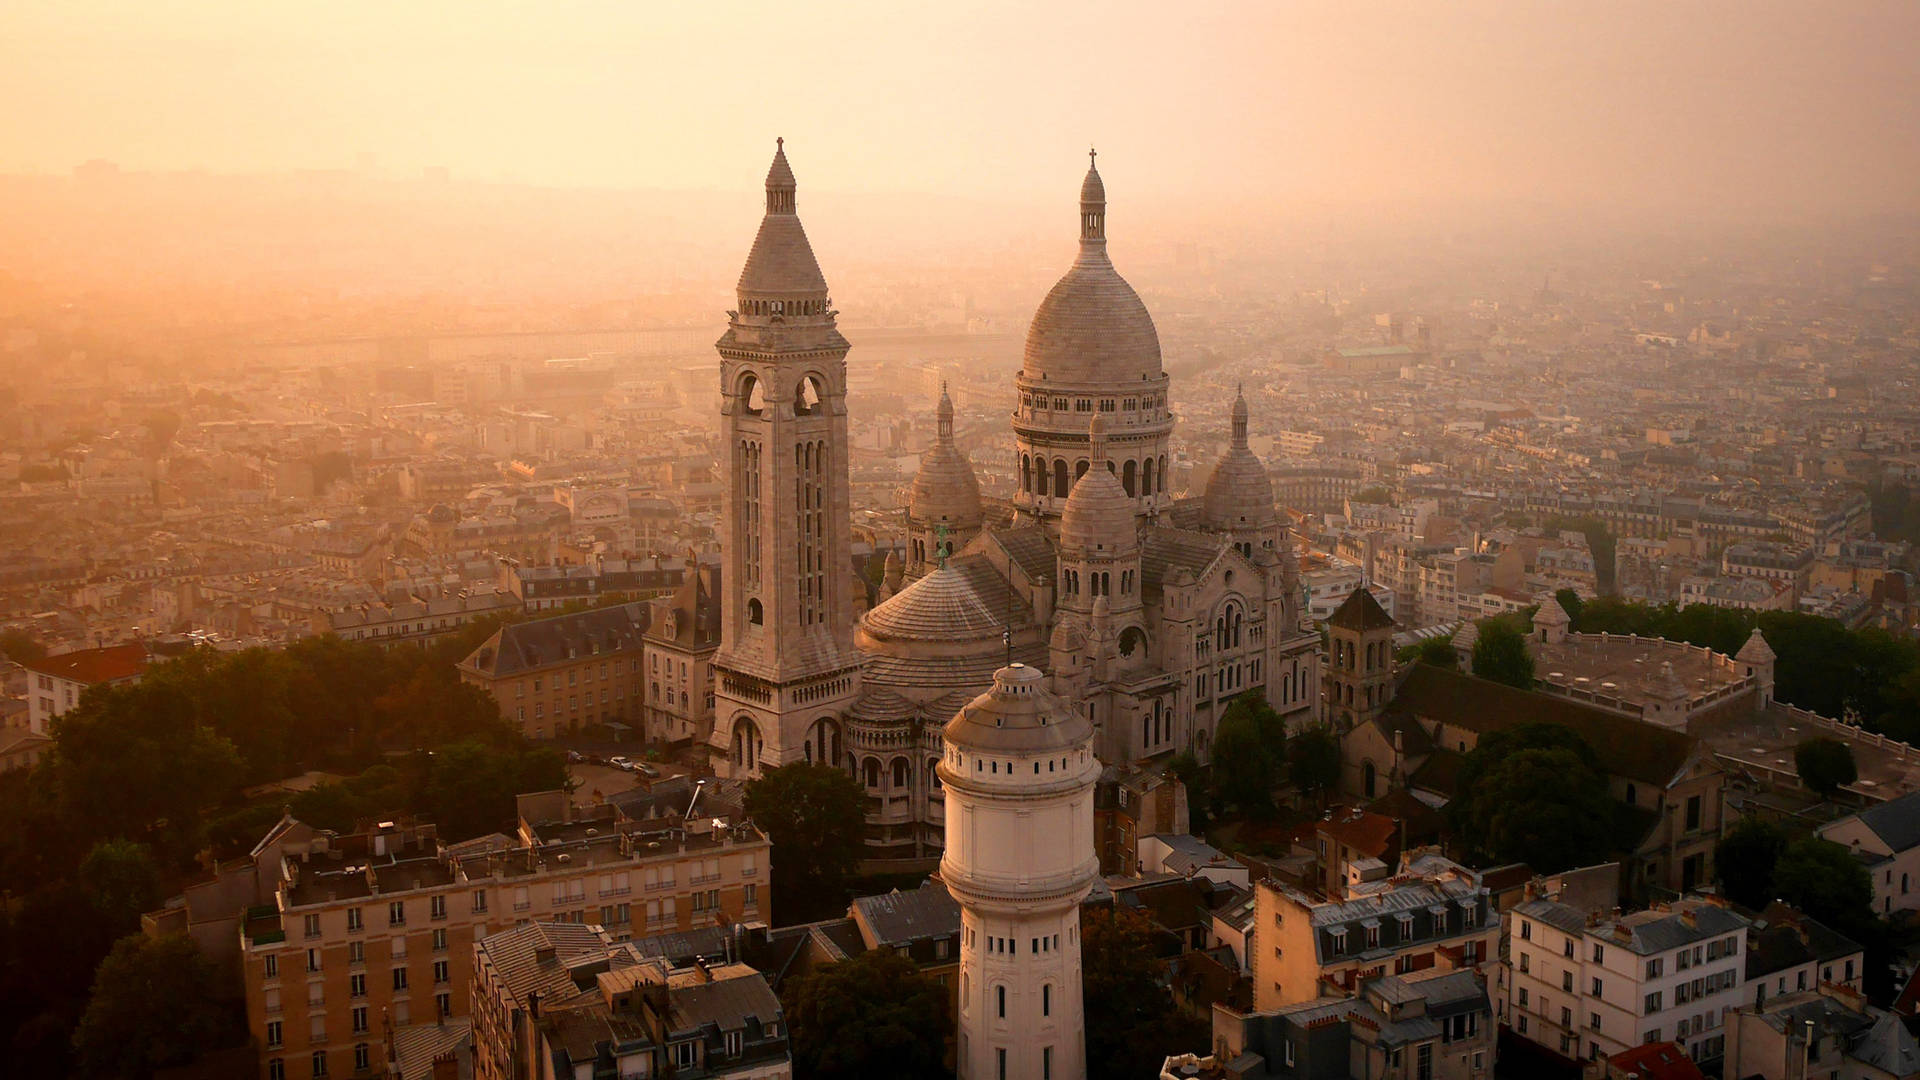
(786, 670)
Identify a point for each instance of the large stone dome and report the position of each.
(1239, 494)
(1092, 327)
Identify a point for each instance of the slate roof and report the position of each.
(529, 646)
(516, 960)
(1164, 550)
(725, 1004)
(1655, 1061)
(900, 918)
(1029, 549)
(1624, 746)
(1896, 822)
(1360, 612)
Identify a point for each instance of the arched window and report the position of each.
(1146, 478)
(1060, 485)
(1040, 476)
(1367, 779)
(900, 773)
(755, 614)
(1026, 473)
(1079, 469)
(755, 395)
(933, 774)
(870, 772)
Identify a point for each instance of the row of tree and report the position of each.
(1252, 757)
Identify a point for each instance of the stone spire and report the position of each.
(781, 276)
(1093, 213)
(1239, 416)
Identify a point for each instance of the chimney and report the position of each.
(701, 972)
(533, 1005)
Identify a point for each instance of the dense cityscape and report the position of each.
(458, 627)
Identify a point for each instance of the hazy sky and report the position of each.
(1744, 104)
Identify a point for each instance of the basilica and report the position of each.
(1149, 612)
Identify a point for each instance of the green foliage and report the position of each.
(1825, 765)
(21, 647)
(1249, 751)
(1500, 654)
(1896, 512)
(154, 1005)
(1313, 761)
(1133, 1023)
(466, 789)
(1745, 858)
(1434, 651)
(123, 882)
(876, 1014)
(1533, 794)
(1824, 880)
(1571, 602)
(816, 817)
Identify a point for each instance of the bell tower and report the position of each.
(786, 669)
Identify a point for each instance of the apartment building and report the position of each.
(415, 621)
(378, 926)
(557, 675)
(682, 636)
(1830, 1031)
(1886, 838)
(566, 1000)
(1433, 914)
(1589, 986)
(1431, 1026)
(55, 684)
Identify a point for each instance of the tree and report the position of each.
(1313, 761)
(155, 1004)
(1248, 751)
(1133, 1023)
(1435, 651)
(816, 818)
(1824, 880)
(1533, 794)
(876, 1014)
(121, 879)
(471, 786)
(1825, 765)
(1745, 858)
(1573, 604)
(1500, 654)
(21, 647)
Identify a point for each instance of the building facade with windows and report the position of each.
(381, 924)
(1435, 914)
(55, 684)
(1588, 987)
(557, 675)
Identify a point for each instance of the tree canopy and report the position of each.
(1533, 794)
(1745, 858)
(1133, 1023)
(1500, 654)
(1825, 765)
(1436, 651)
(816, 818)
(876, 1014)
(1249, 754)
(155, 1004)
(1313, 761)
(1824, 880)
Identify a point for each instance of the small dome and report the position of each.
(1099, 515)
(1239, 494)
(1018, 716)
(1093, 189)
(945, 490)
(941, 606)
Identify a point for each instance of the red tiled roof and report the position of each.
(111, 664)
(1655, 1061)
(1370, 834)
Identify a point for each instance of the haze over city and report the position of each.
(1246, 540)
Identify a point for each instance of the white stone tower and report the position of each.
(1019, 772)
(786, 670)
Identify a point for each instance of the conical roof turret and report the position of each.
(1756, 650)
(781, 267)
(1099, 513)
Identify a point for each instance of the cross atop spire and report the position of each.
(1093, 206)
(1091, 154)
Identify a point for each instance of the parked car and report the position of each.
(623, 764)
(645, 769)
(574, 757)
